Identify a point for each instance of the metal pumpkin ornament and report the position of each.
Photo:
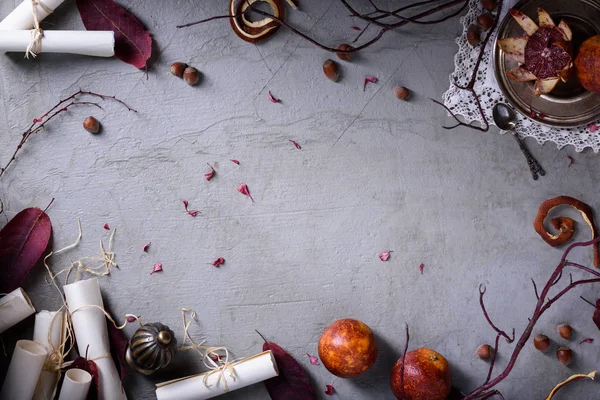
(151, 348)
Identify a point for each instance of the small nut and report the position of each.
(484, 351)
(489, 5)
(564, 355)
(191, 75)
(91, 125)
(331, 70)
(177, 69)
(344, 56)
(541, 342)
(401, 92)
(473, 35)
(485, 21)
(564, 331)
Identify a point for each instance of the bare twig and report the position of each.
(500, 332)
(403, 361)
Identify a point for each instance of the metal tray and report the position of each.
(568, 105)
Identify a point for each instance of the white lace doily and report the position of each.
(461, 102)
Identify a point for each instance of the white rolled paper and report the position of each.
(76, 385)
(22, 16)
(14, 308)
(89, 43)
(49, 331)
(89, 324)
(24, 370)
(247, 372)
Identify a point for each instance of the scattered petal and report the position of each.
(146, 246)
(570, 161)
(296, 144)
(593, 127)
(385, 256)
(106, 227)
(218, 262)
(37, 120)
(273, 99)
(313, 360)
(588, 340)
(215, 357)
(157, 268)
(131, 319)
(329, 390)
(356, 28)
(235, 162)
(421, 268)
(368, 79)
(243, 189)
(210, 174)
(193, 213)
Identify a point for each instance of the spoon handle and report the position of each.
(534, 165)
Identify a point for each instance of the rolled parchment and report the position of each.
(24, 370)
(76, 385)
(22, 16)
(89, 324)
(49, 331)
(14, 308)
(246, 372)
(89, 43)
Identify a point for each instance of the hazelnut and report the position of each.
(564, 331)
(541, 342)
(401, 92)
(191, 75)
(331, 70)
(91, 125)
(484, 351)
(177, 69)
(564, 355)
(473, 35)
(489, 5)
(485, 21)
(344, 56)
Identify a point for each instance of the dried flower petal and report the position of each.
(157, 268)
(296, 144)
(588, 340)
(368, 79)
(106, 227)
(356, 28)
(193, 213)
(593, 127)
(235, 162)
(313, 360)
(218, 262)
(329, 390)
(243, 189)
(570, 161)
(131, 319)
(273, 99)
(385, 256)
(421, 268)
(210, 174)
(145, 248)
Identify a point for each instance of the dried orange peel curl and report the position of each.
(564, 225)
(572, 378)
(254, 31)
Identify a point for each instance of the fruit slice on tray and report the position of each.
(544, 54)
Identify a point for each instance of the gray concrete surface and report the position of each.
(305, 253)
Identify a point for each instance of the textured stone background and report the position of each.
(305, 253)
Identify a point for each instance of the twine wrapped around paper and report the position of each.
(35, 46)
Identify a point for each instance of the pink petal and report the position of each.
(593, 127)
(588, 340)
(131, 319)
(210, 174)
(296, 144)
(356, 28)
(421, 268)
(106, 227)
(385, 256)
(243, 189)
(218, 262)
(570, 161)
(235, 162)
(368, 79)
(273, 99)
(145, 248)
(313, 360)
(329, 390)
(157, 268)
(193, 213)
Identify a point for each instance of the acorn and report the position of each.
(484, 351)
(564, 331)
(91, 125)
(344, 56)
(541, 342)
(177, 69)
(564, 355)
(151, 348)
(401, 92)
(191, 75)
(330, 69)
(485, 21)
(473, 35)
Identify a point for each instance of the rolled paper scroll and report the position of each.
(89, 324)
(24, 370)
(76, 385)
(49, 331)
(22, 16)
(14, 308)
(211, 384)
(89, 43)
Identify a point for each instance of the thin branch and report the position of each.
(500, 332)
(493, 361)
(403, 360)
(535, 288)
(587, 301)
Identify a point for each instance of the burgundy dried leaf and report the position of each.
(593, 127)
(329, 390)
(296, 144)
(243, 189)
(273, 99)
(22, 242)
(356, 28)
(385, 256)
(90, 367)
(235, 162)
(218, 262)
(157, 268)
(292, 382)
(313, 360)
(133, 43)
(570, 161)
(421, 267)
(368, 79)
(208, 176)
(107, 227)
(193, 213)
(146, 246)
(118, 347)
(588, 340)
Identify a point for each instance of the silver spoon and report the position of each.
(505, 119)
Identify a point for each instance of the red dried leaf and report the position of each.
(235, 162)
(22, 242)
(118, 347)
(193, 213)
(593, 127)
(208, 176)
(90, 367)
(292, 382)
(588, 340)
(329, 390)
(218, 262)
(385, 256)
(146, 246)
(296, 144)
(273, 99)
(243, 189)
(313, 360)
(421, 267)
(356, 28)
(368, 79)
(107, 227)
(157, 268)
(133, 43)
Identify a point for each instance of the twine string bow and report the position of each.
(37, 33)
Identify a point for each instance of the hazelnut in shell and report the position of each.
(564, 355)
(91, 125)
(191, 76)
(541, 342)
(177, 69)
(344, 56)
(330, 69)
